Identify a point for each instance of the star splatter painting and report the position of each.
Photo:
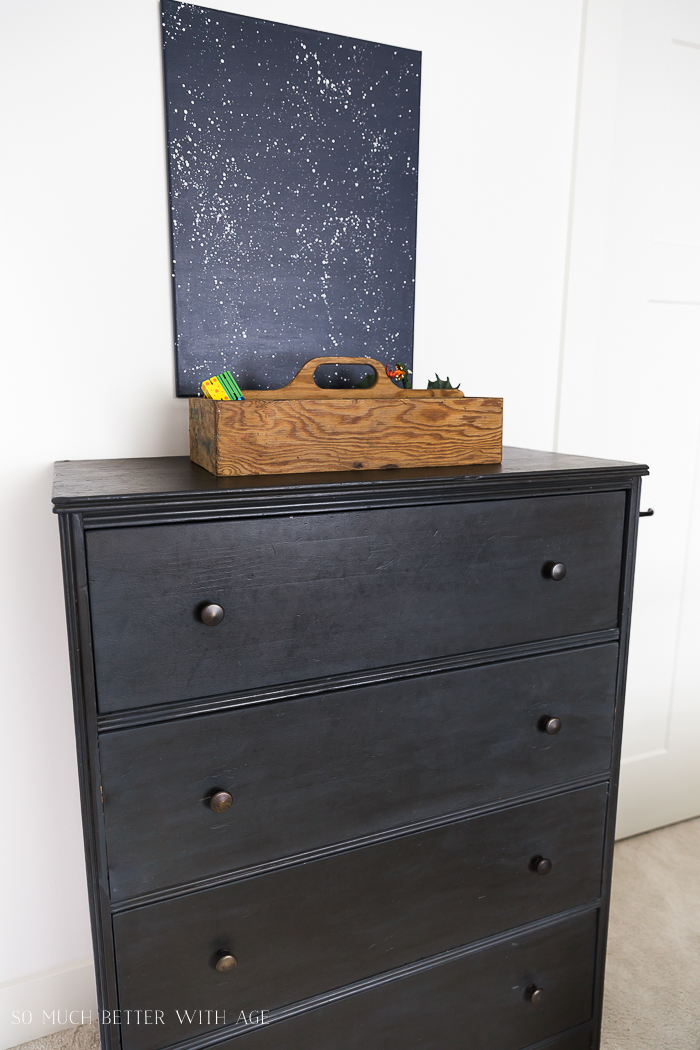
(293, 160)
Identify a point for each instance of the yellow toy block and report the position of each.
(213, 389)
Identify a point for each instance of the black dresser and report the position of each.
(348, 749)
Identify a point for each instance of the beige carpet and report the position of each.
(652, 988)
(82, 1037)
(652, 998)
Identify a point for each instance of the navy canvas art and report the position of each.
(293, 160)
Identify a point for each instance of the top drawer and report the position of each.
(323, 594)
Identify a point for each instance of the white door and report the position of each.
(630, 368)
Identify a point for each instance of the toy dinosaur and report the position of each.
(402, 373)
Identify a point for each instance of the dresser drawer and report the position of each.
(303, 930)
(324, 594)
(308, 772)
(171, 962)
(318, 1029)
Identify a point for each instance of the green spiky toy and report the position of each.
(441, 384)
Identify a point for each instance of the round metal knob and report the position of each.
(220, 801)
(226, 962)
(211, 614)
(555, 570)
(534, 994)
(551, 726)
(542, 865)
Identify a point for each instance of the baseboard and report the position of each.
(657, 789)
(41, 1003)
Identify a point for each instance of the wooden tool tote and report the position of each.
(306, 428)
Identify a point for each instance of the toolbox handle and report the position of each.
(304, 384)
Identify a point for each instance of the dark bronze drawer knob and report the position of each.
(211, 614)
(542, 865)
(555, 570)
(534, 994)
(551, 726)
(226, 962)
(220, 801)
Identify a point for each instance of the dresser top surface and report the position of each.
(82, 481)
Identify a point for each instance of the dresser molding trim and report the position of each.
(125, 514)
(157, 713)
(347, 846)
(226, 1032)
(555, 1040)
(174, 489)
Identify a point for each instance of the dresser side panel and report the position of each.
(85, 715)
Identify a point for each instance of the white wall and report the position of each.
(86, 289)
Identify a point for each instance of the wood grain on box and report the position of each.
(305, 428)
